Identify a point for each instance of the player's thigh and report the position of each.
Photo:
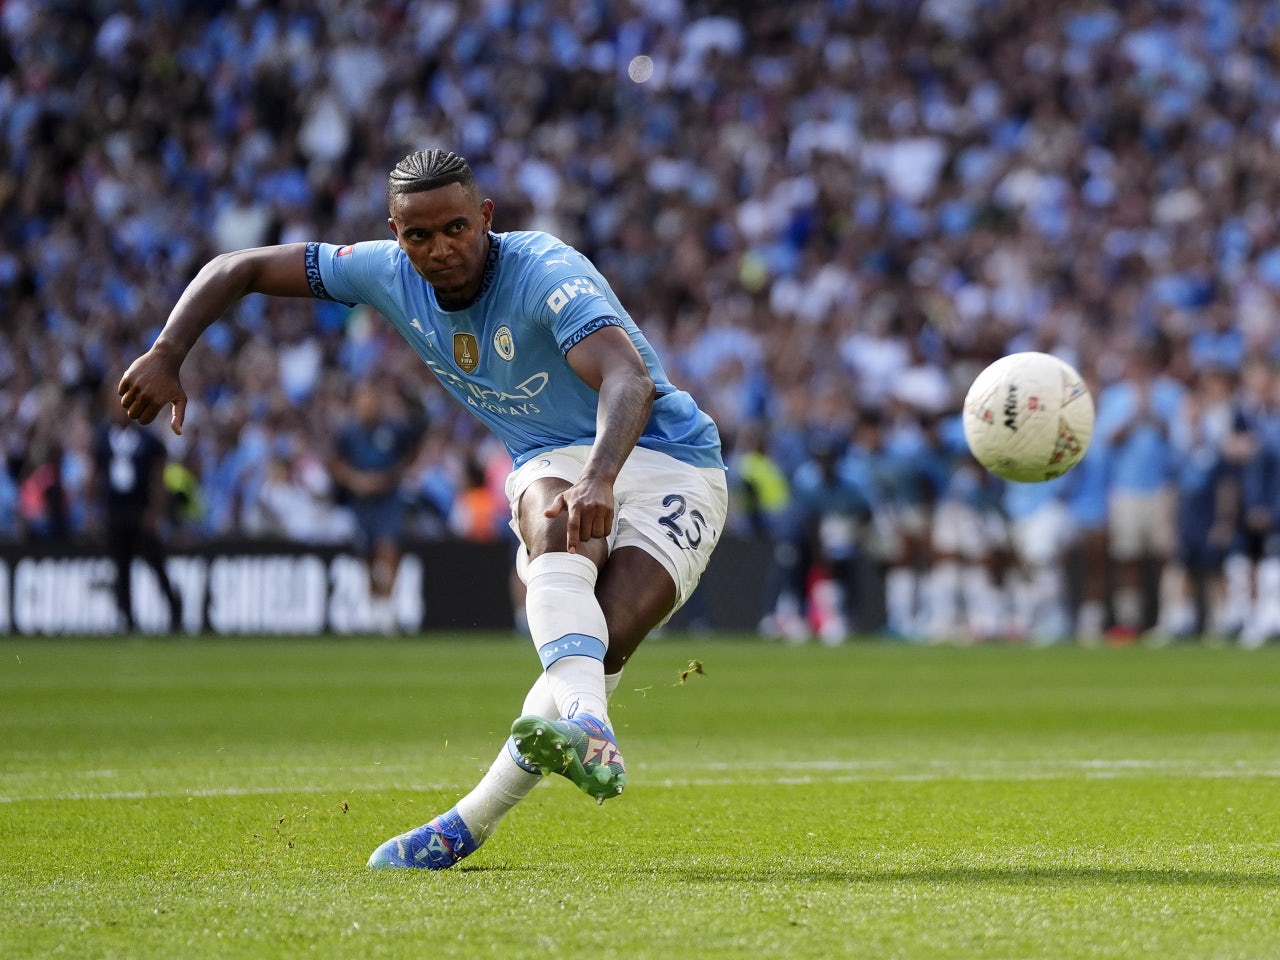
(532, 489)
(673, 512)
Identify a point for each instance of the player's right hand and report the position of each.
(589, 507)
(150, 384)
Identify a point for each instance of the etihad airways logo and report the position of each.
(517, 401)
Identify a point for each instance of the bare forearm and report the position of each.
(625, 405)
(217, 286)
(153, 381)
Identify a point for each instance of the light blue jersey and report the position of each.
(1143, 462)
(503, 355)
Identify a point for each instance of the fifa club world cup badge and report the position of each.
(466, 352)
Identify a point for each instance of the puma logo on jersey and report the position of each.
(417, 325)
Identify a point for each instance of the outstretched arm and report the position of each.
(151, 383)
(608, 361)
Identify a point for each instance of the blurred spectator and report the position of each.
(370, 455)
(1260, 482)
(810, 207)
(1208, 494)
(184, 504)
(833, 512)
(1085, 495)
(1134, 419)
(129, 467)
(920, 466)
(295, 501)
(970, 550)
(479, 513)
(1041, 534)
(760, 490)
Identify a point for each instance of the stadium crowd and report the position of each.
(828, 215)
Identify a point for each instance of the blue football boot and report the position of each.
(437, 845)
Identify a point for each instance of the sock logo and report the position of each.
(571, 645)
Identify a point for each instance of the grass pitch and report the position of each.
(219, 798)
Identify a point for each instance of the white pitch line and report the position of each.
(220, 792)
(788, 773)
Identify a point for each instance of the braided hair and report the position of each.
(427, 170)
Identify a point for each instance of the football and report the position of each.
(1028, 417)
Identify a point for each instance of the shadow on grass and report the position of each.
(1016, 876)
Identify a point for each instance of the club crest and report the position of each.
(466, 352)
(503, 343)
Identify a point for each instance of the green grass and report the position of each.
(220, 798)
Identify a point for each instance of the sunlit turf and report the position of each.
(219, 798)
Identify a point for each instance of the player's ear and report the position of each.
(395, 231)
(486, 212)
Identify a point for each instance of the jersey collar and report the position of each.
(486, 278)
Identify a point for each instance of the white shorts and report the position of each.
(961, 530)
(1140, 523)
(1042, 537)
(672, 511)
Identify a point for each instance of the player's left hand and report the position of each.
(589, 506)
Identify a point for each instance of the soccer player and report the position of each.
(618, 492)
(1134, 416)
(128, 471)
(368, 459)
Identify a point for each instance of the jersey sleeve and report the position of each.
(575, 304)
(351, 274)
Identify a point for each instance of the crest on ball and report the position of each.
(1028, 417)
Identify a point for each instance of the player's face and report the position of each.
(445, 234)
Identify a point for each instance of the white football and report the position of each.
(1028, 417)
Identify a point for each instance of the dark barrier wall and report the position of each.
(255, 587)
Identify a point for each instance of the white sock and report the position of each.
(900, 600)
(982, 600)
(1264, 621)
(1090, 620)
(611, 681)
(1050, 618)
(1238, 573)
(569, 630)
(1176, 609)
(504, 785)
(539, 701)
(506, 782)
(944, 590)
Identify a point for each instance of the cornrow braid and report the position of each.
(427, 170)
